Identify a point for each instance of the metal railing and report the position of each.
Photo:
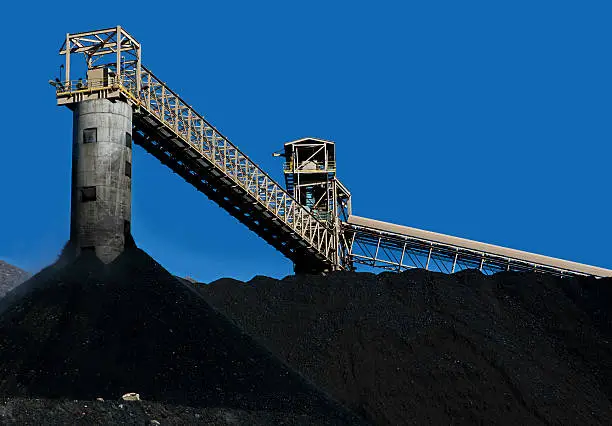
(396, 252)
(83, 85)
(288, 167)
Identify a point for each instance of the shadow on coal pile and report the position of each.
(85, 330)
(422, 347)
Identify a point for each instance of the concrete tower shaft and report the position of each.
(101, 177)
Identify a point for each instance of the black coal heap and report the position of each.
(83, 330)
(422, 347)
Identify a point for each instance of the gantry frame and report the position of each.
(98, 45)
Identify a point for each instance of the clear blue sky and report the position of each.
(485, 120)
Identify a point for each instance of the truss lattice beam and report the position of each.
(397, 248)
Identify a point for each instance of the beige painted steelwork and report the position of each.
(165, 118)
(310, 178)
(446, 248)
(170, 129)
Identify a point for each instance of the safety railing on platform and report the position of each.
(84, 85)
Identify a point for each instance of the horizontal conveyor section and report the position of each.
(396, 247)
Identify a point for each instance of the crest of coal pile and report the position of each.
(84, 330)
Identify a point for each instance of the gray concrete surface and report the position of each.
(101, 224)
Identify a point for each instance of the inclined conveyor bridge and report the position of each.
(309, 220)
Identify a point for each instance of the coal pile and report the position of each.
(84, 330)
(427, 348)
(10, 277)
(21, 411)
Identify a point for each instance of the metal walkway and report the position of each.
(171, 130)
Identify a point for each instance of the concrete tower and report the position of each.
(101, 177)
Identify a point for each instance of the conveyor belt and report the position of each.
(397, 247)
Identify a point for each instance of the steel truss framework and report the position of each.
(397, 251)
(171, 130)
(175, 133)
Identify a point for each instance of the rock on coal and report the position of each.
(426, 348)
(84, 330)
